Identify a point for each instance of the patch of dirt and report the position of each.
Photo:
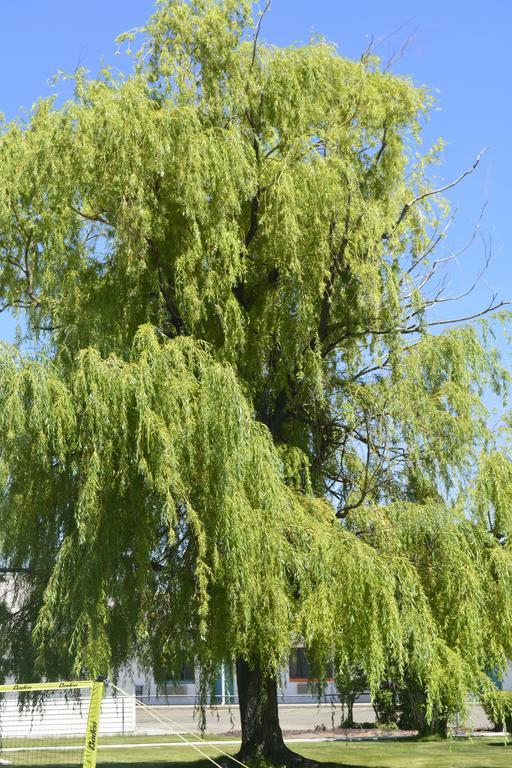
(340, 733)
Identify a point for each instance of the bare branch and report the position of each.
(382, 147)
(400, 53)
(368, 50)
(257, 32)
(491, 308)
(342, 513)
(407, 207)
(432, 245)
(90, 216)
(374, 42)
(412, 329)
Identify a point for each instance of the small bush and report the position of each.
(498, 708)
(385, 705)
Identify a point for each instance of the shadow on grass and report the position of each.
(159, 763)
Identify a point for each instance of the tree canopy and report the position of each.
(234, 422)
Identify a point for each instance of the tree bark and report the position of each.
(349, 720)
(262, 738)
(438, 726)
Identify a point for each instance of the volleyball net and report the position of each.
(47, 724)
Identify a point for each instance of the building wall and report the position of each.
(292, 690)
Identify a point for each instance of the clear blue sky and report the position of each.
(458, 47)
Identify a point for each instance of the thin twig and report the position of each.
(405, 210)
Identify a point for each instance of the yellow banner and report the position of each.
(46, 686)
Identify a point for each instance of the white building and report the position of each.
(295, 685)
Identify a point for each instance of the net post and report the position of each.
(93, 722)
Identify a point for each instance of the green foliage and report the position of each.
(350, 682)
(386, 706)
(236, 427)
(498, 708)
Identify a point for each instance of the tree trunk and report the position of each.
(350, 713)
(262, 739)
(438, 726)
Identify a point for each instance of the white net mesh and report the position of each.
(43, 728)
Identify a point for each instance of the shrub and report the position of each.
(498, 708)
(385, 705)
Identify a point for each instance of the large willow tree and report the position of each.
(230, 425)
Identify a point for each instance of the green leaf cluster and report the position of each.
(237, 427)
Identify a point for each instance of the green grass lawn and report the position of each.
(458, 753)
(399, 753)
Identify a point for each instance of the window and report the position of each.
(176, 685)
(139, 690)
(298, 666)
(187, 673)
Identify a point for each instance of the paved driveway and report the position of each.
(293, 717)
